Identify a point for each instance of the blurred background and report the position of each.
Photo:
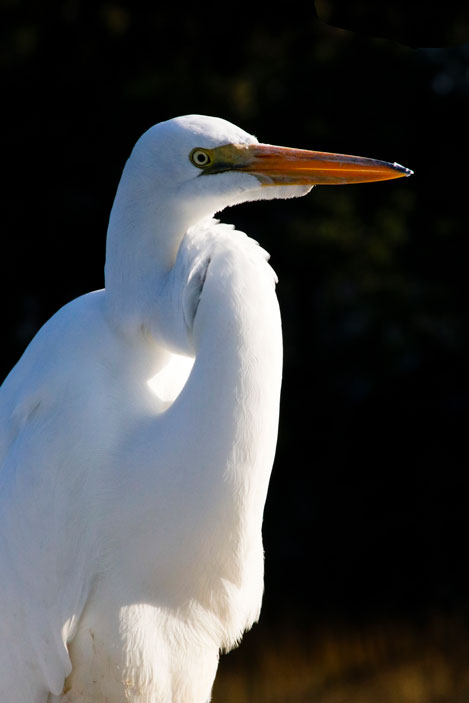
(366, 524)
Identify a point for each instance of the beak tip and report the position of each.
(402, 169)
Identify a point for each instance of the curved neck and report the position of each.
(144, 233)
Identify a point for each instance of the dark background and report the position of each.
(369, 489)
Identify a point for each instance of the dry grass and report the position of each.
(391, 662)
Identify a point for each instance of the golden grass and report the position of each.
(387, 662)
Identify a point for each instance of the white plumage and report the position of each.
(132, 484)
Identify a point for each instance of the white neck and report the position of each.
(144, 234)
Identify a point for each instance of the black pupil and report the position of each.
(201, 158)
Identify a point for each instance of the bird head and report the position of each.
(208, 164)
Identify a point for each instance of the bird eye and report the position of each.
(200, 158)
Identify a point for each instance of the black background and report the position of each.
(369, 489)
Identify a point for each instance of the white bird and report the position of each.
(138, 433)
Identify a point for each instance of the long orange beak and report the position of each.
(278, 165)
(281, 165)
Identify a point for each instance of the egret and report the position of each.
(138, 432)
